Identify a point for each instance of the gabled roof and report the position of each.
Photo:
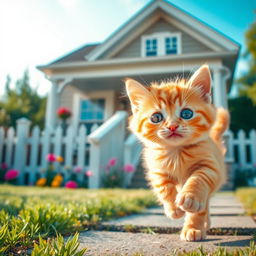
(212, 38)
(76, 55)
(221, 41)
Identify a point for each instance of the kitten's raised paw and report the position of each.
(175, 213)
(192, 234)
(189, 203)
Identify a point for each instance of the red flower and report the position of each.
(11, 174)
(71, 184)
(63, 113)
(51, 158)
(129, 168)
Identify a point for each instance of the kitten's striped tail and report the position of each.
(220, 126)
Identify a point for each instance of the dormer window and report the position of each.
(171, 45)
(151, 47)
(160, 44)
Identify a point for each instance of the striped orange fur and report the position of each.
(183, 152)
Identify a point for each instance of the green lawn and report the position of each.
(28, 213)
(248, 197)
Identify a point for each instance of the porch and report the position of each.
(102, 85)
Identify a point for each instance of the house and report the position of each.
(159, 42)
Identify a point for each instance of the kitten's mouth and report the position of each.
(175, 135)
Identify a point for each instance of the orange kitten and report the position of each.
(183, 154)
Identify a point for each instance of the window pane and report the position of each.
(171, 45)
(92, 109)
(151, 47)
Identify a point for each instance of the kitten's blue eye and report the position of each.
(156, 118)
(186, 113)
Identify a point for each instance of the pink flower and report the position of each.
(112, 162)
(4, 166)
(78, 169)
(88, 173)
(71, 184)
(11, 174)
(51, 158)
(129, 168)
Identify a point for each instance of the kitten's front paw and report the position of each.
(192, 234)
(189, 202)
(173, 213)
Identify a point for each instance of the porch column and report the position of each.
(220, 76)
(52, 103)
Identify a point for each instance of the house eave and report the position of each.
(79, 64)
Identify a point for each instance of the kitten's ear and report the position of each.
(136, 93)
(202, 78)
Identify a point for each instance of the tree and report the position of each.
(248, 80)
(243, 108)
(243, 112)
(22, 101)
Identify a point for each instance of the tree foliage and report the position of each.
(21, 101)
(243, 108)
(243, 113)
(248, 79)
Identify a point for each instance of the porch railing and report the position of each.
(132, 155)
(107, 142)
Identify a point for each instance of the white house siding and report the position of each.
(189, 44)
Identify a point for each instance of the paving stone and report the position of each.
(220, 211)
(226, 219)
(124, 243)
(162, 221)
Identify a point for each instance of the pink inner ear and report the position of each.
(202, 79)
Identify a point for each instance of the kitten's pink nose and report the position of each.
(173, 127)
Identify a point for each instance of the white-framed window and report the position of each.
(151, 47)
(92, 110)
(160, 44)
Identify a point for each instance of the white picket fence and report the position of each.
(27, 151)
(241, 149)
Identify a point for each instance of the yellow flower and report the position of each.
(41, 182)
(58, 177)
(59, 159)
(55, 184)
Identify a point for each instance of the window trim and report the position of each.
(160, 36)
(108, 95)
(92, 120)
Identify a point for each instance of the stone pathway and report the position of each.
(154, 234)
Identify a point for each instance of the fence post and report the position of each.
(23, 125)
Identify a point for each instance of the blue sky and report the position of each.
(35, 32)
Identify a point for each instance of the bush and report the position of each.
(245, 178)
